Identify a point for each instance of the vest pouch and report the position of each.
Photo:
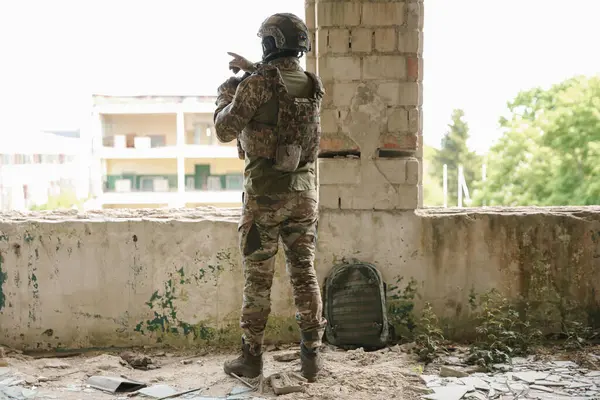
(287, 157)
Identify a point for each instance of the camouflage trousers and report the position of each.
(265, 219)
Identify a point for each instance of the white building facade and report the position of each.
(160, 151)
(37, 166)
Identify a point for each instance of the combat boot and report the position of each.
(247, 365)
(310, 360)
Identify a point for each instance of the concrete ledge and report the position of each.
(135, 277)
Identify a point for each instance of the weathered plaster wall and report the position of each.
(95, 281)
(123, 278)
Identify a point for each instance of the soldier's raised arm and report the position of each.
(237, 102)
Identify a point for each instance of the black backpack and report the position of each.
(355, 307)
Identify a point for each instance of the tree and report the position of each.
(549, 153)
(454, 152)
(65, 200)
(433, 193)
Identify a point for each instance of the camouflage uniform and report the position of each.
(278, 134)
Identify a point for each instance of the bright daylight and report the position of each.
(304, 199)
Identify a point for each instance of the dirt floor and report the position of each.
(384, 374)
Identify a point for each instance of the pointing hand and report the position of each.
(240, 63)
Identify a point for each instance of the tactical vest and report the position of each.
(295, 139)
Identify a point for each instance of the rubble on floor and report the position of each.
(11, 388)
(138, 361)
(525, 378)
(347, 375)
(16, 384)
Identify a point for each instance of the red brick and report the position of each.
(398, 141)
(334, 142)
(413, 68)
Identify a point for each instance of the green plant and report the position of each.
(429, 336)
(501, 332)
(65, 200)
(400, 306)
(418, 369)
(577, 334)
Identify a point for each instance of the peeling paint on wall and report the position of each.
(165, 320)
(185, 291)
(3, 278)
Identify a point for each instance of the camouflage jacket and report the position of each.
(298, 118)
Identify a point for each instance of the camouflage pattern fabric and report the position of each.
(298, 122)
(298, 119)
(225, 95)
(293, 217)
(237, 102)
(260, 176)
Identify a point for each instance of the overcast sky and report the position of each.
(478, 54)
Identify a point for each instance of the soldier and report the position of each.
(273, 111)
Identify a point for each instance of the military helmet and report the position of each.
(288, 31)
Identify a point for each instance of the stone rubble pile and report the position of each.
(524, 379)
(10, 387)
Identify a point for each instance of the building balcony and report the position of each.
(135, 106)
(203, 180)
(187, 151)
(161, 190)
(231, 198)
(135, 136)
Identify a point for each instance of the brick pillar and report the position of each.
(368, 55)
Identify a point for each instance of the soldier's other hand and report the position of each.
(240, 63)
(229, 86)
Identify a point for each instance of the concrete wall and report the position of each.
(132, 277)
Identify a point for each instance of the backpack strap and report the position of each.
(319, 88)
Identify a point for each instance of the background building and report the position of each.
(38, 166)
(161, 151)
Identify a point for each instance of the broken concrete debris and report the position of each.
(10, 386)
(287, 357)
(3, 361)
(447, 372)
(286, 383)
(158, 391)
(114, 384)
(346, 375)
(524, 379)
(137, 361)
(54, 364)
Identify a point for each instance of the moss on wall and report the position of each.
(3, 277)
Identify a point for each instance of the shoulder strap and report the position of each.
(319, 89)
(273, 76)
